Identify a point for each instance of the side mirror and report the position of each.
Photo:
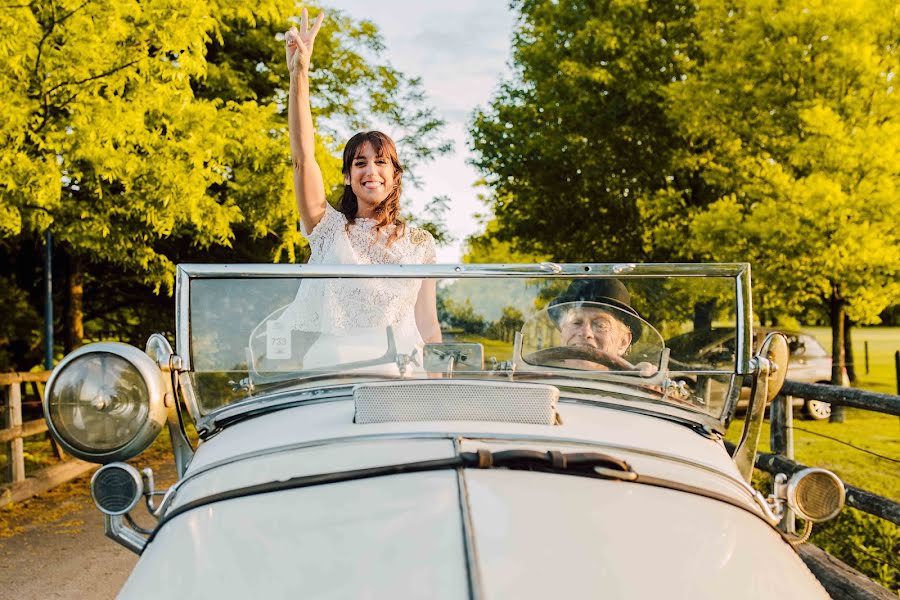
(445, 358)
(769, 370)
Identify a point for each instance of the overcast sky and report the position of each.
(460, 50)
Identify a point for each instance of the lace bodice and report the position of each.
(345, 306)
(332, 243)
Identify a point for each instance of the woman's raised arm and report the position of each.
(308, 185)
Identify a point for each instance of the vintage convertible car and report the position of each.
(550, 446)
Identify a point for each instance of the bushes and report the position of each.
(869, 544)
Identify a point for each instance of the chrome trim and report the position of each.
(118, 531)
(189, 395)
(660, 409)
(741, 485)
(167, 499)
(210, 421)
(575, 270)
(770, 367)
(139, 487)
(159, 349)
(745, 453)
(744, 321)
(153, 378)
(473, 567)
(771, 513)
(182, 316)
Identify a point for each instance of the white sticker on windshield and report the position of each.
(278, 340)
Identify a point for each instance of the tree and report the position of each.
(144, 137)
(579, 132)
(460, 315)
(793, 114)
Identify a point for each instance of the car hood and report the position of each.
(443, 534)
(460, 533)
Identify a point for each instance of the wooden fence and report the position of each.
(19, 486)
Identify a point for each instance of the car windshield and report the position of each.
(249, 336)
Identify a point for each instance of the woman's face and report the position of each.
(371, 177)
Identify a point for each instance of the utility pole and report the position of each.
(48, 300)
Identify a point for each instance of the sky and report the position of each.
(460, 49)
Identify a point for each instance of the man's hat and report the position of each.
(606, 291)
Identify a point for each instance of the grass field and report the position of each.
(883, 343)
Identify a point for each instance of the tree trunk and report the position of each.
(838, 358)
(703, 315)
(848, 350)
(74, 296)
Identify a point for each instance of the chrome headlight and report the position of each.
(105, 402)
(815, 494)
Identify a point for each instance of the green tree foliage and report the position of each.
(505, 328)
(123, 132)
(460, 315)
(579, 132)
(792, 114)
(487, 248)
(143, 134)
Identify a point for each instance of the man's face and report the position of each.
(593, 327)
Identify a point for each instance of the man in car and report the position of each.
(595, 316)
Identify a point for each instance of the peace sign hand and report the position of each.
(298, 45)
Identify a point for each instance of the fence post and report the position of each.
(15, 450)
(897, 369)
(781, 440)
(866, 346)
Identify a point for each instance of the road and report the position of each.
(54, 546)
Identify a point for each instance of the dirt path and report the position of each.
(54, 546)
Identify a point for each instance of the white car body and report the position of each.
(303, 486)
(535, 535)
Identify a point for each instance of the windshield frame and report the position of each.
(738, 272)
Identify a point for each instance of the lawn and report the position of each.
(883, 343)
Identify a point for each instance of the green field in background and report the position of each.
(883, 343)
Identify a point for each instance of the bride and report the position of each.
(365, 229)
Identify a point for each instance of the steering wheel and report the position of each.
(594, 355)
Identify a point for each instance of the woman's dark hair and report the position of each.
(388, 212)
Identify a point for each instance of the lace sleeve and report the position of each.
(428, 252)
(322, 235)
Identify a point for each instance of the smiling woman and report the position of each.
(368, 228)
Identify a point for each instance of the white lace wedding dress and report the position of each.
(351, 316)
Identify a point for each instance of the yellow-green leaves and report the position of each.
(794, 103)
(145, 132)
